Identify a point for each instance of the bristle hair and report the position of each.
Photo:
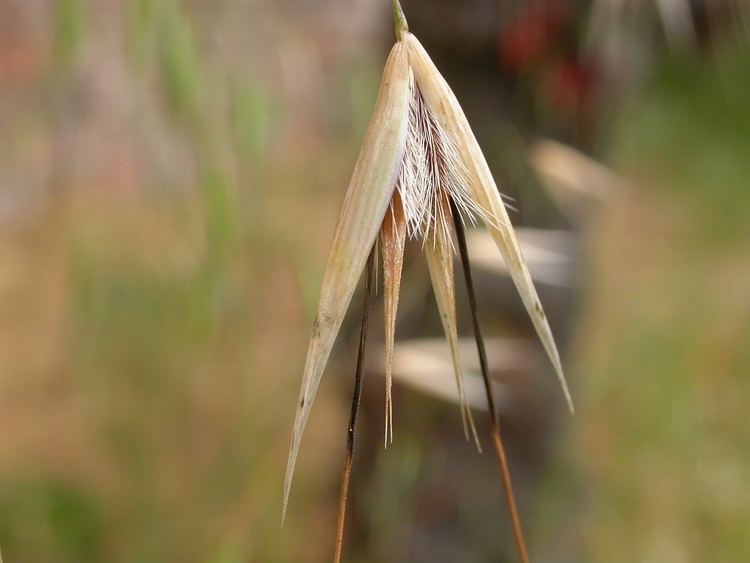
(432, 172)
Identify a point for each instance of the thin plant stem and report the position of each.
(357, 395)
(399, 19)
(497, 440)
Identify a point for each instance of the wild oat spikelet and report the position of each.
(418, 157)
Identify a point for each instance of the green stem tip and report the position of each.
(399, 19)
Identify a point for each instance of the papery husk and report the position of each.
(443, 103)
(367, 199)
(392, 242)
(439, 253)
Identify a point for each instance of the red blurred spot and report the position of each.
(18, 61)
(569, 86)
(527, 36)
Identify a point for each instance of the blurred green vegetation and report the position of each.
(44, 517)
(657, 451)
(71, 22)
(688, 133)
(160, 310)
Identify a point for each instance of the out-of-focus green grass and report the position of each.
(70, 23)
(177, 304)
(689, 134)
(658, 449)
(52, 518)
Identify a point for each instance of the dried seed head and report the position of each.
(420, 147)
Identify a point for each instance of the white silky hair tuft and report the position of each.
(432, 173)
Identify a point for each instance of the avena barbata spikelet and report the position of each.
(418, 157)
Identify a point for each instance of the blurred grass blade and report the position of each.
(579, 185)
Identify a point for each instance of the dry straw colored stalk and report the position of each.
(420, 171)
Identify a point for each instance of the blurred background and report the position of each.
(170, 176)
